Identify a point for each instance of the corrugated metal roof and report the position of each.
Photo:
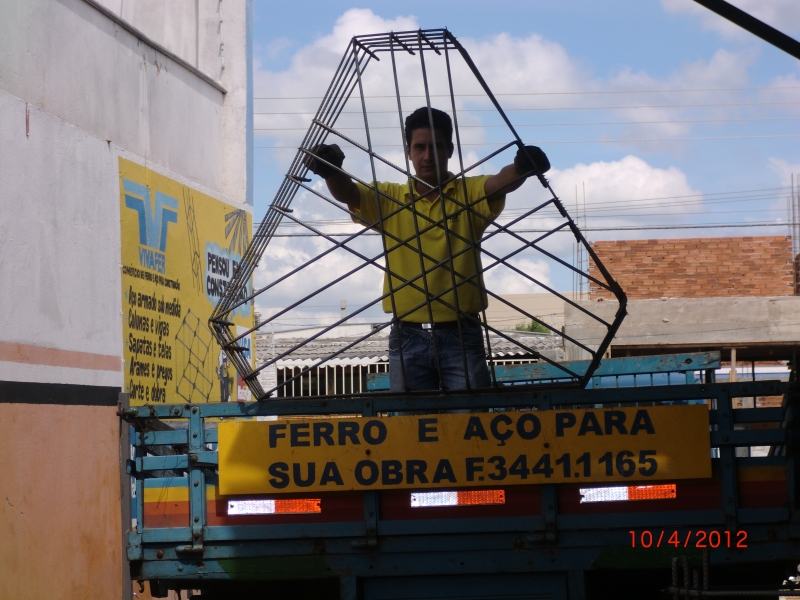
(375, 348)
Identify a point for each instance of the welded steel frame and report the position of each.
(347, 79)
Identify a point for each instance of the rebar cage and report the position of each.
(423, 64)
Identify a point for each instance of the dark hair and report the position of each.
(419, 120)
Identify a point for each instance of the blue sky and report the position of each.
(624, 96)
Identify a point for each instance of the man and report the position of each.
(425, 345)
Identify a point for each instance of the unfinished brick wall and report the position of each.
(698, 267)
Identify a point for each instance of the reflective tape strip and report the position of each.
(463, 498)
(272, 507)
(631, 492)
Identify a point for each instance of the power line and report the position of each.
(730, 197)
(734, 194)
(545, 142)
(599, 208)
(397, 127)
(622, 228)
(555, 108)
(595, 214)
(586, 93)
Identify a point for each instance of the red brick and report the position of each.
(699, 267)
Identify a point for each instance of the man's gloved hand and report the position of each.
(523, 164)
(330, 152)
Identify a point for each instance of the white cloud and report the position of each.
(785, 170)
(312, 69)
(631, 181)
(502, 280)
(287, 254)
(526, 64)
(277, 47)
(665, 115)
(783, 89)
(783, 15)
(618, 193)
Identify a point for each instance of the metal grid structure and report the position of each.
(433, 49)
(193, 348)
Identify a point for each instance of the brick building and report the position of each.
(698, 267)
(735, 295)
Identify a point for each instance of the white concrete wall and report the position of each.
(741, 321)
(173, 24)
(69, 60)
(59, 241)
(77, 90)
(211, 35)
(548, 307)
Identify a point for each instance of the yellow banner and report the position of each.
(464, 450)
(179, 250)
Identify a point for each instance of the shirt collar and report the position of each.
(449, 185)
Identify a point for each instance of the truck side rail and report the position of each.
(670, 369)
(205, 545)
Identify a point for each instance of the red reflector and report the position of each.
(305, 505)
(652, 492)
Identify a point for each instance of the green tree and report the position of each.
(532, 326)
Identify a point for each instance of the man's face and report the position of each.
(423, 155)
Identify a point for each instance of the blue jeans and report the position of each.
(420, 360)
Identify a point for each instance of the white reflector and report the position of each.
(630, 492)
(272, 507)
(251, 507)
(434, 499)
(464, 498)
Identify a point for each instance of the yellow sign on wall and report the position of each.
(464, 450)
(180, 248)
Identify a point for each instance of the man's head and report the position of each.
(421, 146)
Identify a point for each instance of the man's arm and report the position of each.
(512, 176)
(341, 186)
(505, 182)
(345, 190)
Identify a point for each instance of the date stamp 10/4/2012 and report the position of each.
(699, 538)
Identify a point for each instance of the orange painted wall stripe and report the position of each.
(167, 494)
(175, 493)
(54, 357)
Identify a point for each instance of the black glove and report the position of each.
(523, 164)
(330, 152)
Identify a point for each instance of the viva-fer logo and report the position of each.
(154, 218)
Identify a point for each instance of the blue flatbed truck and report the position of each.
(738, 529)
(732, 533)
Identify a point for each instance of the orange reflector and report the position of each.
(465, 498)
(652, 492)
(631, 492)
(306, 505)
(481, 497)
(272, 507)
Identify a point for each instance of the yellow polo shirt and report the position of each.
(404, 261)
